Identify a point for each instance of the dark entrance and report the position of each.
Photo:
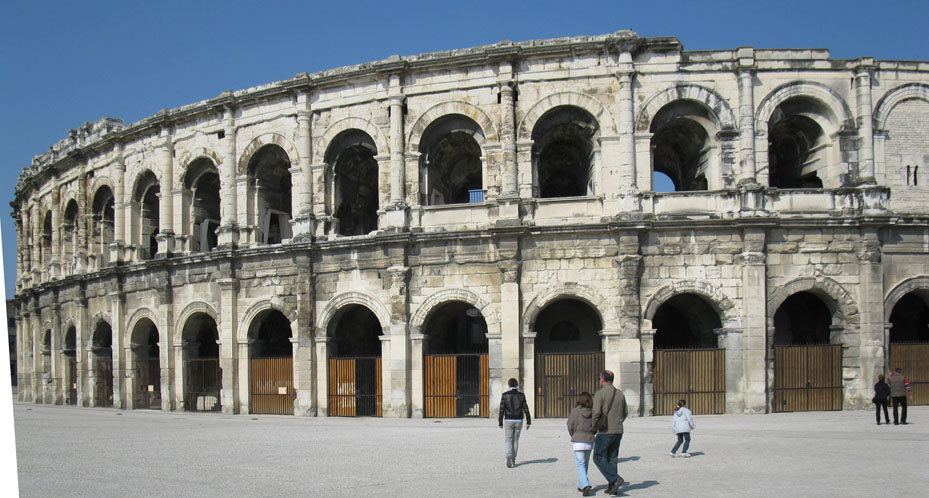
(457, 373)
(202, 375)
(568, 358)
(69, 354)
(688, 362)
(147, 366)
(102, 352)
(271, 361)
(807, 368)
(909, 342)
(355, 363)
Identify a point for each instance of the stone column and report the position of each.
(509, 321)
(628, 184)
(83, 353)
(612, 354)
(870, 341)
(399, 389)
(754, 320)
(57, 357)
(165, 157)
(495, 367)
(120, 221)
(731, 341)
(240, 399)
(322, 375)
(385, 377)
(417, 391)
(396, 210)
(53, 265)
(178, 393)
(508, 136)
(166, 345)
(303, 373)
(528, 368)
(643, 161)
(230, 348)
(228, 232)
(118, 312)
(865, 121)
(303, 175)
(647, 338)
(746, 75)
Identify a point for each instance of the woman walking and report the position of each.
(581, 429)
(682, 423)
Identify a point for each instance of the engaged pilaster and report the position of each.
(865, 121)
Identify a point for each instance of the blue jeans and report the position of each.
(682, 437)
(582, 458)
(606, 455)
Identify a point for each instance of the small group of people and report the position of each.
(897, 389)
(595, 425)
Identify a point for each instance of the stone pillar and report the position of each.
(643, 161)
(647, 339)
(865, 121)
(528, 367)
(731, 341)
(418, 343)
(746, 75)
(165, 157)
(303, 374)
(628, 184)
(240, 399)
(754, 320)
(82, 353)
(508, 136)
(120, 371)
(303, 175)
(495, 367)
(57, 357)
(166, 346)
(509, 322)
(322, 375)
(53, 265)
(399, 389)
(396, 210)
(230, 348)
(612, 354)
(178, 393)
(385, 377)
(228, 232)
(871, 350)
(120, 220)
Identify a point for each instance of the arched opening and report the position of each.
(102, 375)
(145, 200)
(69, 354)
(355, 363)
(270, 193)
(565, 142)
(456, 367)
(686, 321)
(69, 238)
(807, 367)
(681, 145)
(46, 249)
(451, 166)
(353, 180)
(46, 367)
(569, 356)
(271, 357)
(147, 366)
(909, 342)
(202, 373)
(797, 145)
(102, 224)
(202, 184)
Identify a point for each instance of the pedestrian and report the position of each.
(682, 423)
(581, 429)
(899, 389)
(512, 408)
(609, 412)
(881, 397)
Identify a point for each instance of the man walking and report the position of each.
(512, 408)
(609, 412)
(899, 389)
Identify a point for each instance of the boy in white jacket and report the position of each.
(682, 422)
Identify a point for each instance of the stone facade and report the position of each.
(509, 177)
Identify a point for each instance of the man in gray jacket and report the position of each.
(610, 403)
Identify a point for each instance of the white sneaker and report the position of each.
(672, 455)
(685, 455)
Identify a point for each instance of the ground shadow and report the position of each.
(629, 459)
(632, 487)
(542, 460)
(697, 453)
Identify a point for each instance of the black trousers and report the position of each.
(877, 411)
(900, 400)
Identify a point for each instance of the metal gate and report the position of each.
(561, 377)
(457, 385)
(71, 388)
(913, 360)
(147, 394)
(202, 383)
(695, 375)
(355, 387)
(272, 390)
(103, 381)
(807, 378)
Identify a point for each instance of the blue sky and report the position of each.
(64, 63)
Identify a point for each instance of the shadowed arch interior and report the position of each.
(564, 143)
(686, 321)
(354, 332)
(69, 234)
(146, 213)
(450, 164)
(568, 326)
(270, 333)
(910, 318)
(202, 183)
(353, 182)
(803, 318)
(797, 145)
(681, 144)
(102, 223)
(202, 373)
(270, 193)
(456, 327)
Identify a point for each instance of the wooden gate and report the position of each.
(807, 378)
(457, 385)
(148, 384)
(272, 391)
(71, 387)
(103, 381)
(355, 387)
(695, 375)
(561, 377)
(913, 360)
(202, 383)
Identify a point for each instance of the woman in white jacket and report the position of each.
(682, 422)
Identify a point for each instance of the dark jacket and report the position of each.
(617, 412)
(881, 391)
(580, 426)
(513, 406)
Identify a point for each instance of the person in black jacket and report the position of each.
(512, 408)
(881, 397)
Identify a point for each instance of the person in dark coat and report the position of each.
(581, 429)
(881, 397)
(512, 409)
(609, 404)
(899, 389)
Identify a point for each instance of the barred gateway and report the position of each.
(458, 218)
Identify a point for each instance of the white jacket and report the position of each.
(682, 421)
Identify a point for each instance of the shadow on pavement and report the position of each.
(543, 460)
(629, 459)
(697, 453)
(632, 487)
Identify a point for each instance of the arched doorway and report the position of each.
(909, 342)
(688, 362)
(355, 363)
(353, 182)
(201, 183)
(272, 367)
(681, 145)
(569, 355)
(451, 164)
(102, 352)
(202, 374)
(565, 146)
(457, 373)
(269, 186)
(69, 354)
(48, 380)
(146, 393)
(807, 367)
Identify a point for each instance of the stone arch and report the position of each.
(720, 109)
(189, 311)
(347, 298)
(67, 324)
(100, 316)
(716, 298)
(575, 99)
(900, 94)
(488, 311)
(838, 300)
(187, 158)
(134, 320)
(444, 109)
(582, 293)
(265, 305)
(918, 282)
(260, 141)
(65, 200)
(345, 124)
(98, 183)
(841, 114)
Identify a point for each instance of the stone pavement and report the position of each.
(68, 451)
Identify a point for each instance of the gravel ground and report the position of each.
(68, 451)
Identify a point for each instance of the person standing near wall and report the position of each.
(881, 396)
(512, 408)
(899, 389)
(609, 412)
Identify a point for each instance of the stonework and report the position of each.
(482, 187)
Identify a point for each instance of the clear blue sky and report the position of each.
(63, 63)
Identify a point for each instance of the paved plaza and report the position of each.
(68, 451)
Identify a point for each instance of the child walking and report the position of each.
(682, 423)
